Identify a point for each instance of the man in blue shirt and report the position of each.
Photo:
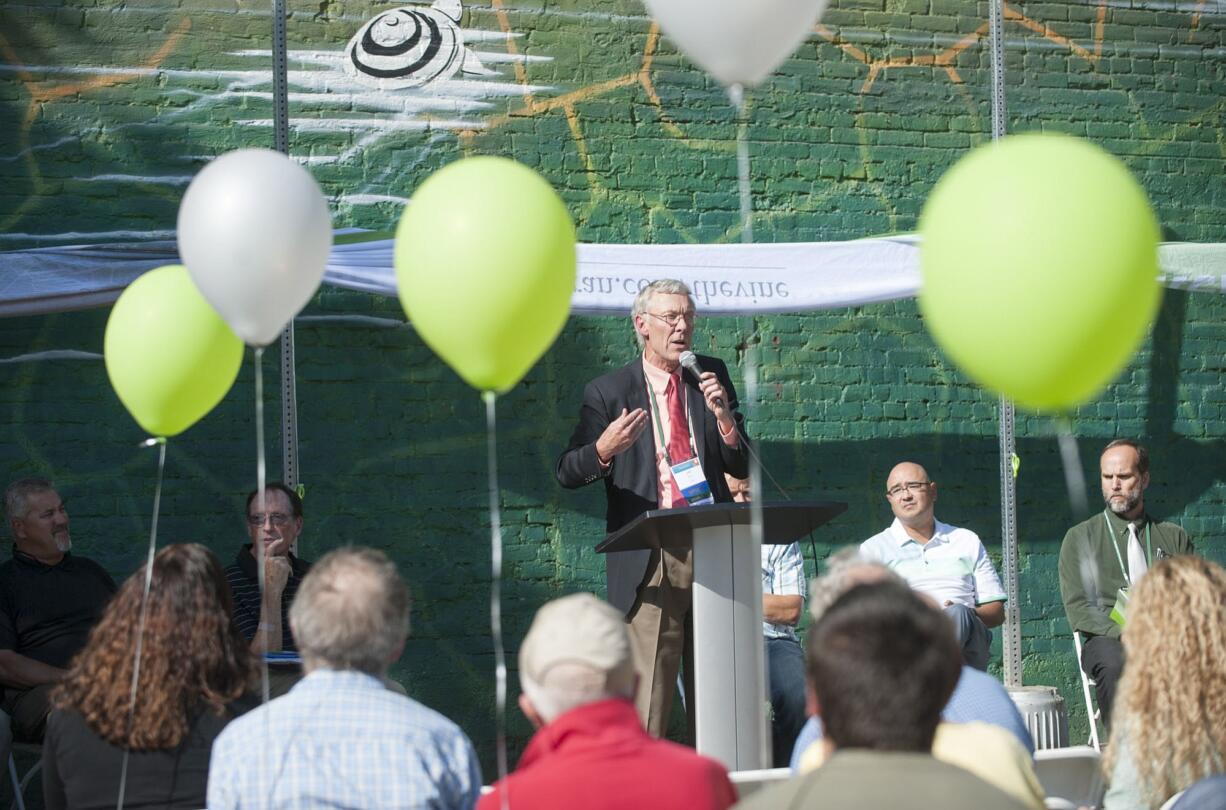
(340, 738)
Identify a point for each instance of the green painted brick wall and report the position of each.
(110, 109)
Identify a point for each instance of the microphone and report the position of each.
(689, 361)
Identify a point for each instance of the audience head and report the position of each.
(276, 528)
(660, 301)
(739, 488)
(191, 654)
(351, 612)
(1124, 466)
(882, 663)
(1172, 696)
(911, 493)
(576, 652)
(844, 570)
(37, 518)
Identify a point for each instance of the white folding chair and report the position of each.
(750, 782)
(1070, 777)
(1093, 713)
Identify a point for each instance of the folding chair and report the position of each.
(1070, 777)
(750, 782)
(1093, 713)
(8, 748)
(20, 783)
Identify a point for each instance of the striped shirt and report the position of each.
(783, 574)
(244, 581)
(343, 740)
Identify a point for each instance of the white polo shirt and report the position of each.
(952, 566)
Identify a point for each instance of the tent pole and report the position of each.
(289, 386)
(1012, 633)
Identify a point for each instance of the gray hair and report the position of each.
(569, 685)
(351, 612)
(662, 286)
(17, 496)
(845, 569)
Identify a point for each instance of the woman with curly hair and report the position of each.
(194, 672)
(1170, 715)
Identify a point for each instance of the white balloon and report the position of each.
(737, 41)
(255, 234)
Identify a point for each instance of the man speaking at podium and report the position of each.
(652, 433)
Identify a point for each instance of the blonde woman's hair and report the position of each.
(1172, 697)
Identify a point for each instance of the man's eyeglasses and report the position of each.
(276, 518)
(913, 487)
(673, 318)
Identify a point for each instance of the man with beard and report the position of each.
(49, 601)
(1104, 555)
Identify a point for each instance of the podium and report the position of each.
(730, 694)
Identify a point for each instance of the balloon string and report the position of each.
(755, 463)
(500, 663)
(144, 607)
(757, 529)
(1074, 475)
(261, 474)
(736, 94)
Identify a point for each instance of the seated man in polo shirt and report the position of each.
(49, 601)
(947, 563)
(262, 614)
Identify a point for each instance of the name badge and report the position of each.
(1120, 610)
(692, 483)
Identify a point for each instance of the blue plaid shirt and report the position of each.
(343, 740)
(783, 574)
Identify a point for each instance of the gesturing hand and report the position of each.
(621, 433)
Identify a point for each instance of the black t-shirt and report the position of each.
(47, 611)
(81, 770)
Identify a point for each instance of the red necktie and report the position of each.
(678, 430)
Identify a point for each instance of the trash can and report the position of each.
(1045, 714)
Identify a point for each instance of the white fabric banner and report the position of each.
(726, 279)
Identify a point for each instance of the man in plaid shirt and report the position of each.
(340, 738)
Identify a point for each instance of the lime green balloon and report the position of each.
(170, 356)
(1040, 268)
(485, 267)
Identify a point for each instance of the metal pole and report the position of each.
(280, 113)
(1012, 634)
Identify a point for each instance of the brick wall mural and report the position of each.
(110, 109)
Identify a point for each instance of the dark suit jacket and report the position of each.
(631, 481)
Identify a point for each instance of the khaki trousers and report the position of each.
(661, 635)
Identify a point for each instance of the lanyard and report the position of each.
(1149, 551)
(655, 414)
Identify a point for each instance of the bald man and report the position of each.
(945, 562)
